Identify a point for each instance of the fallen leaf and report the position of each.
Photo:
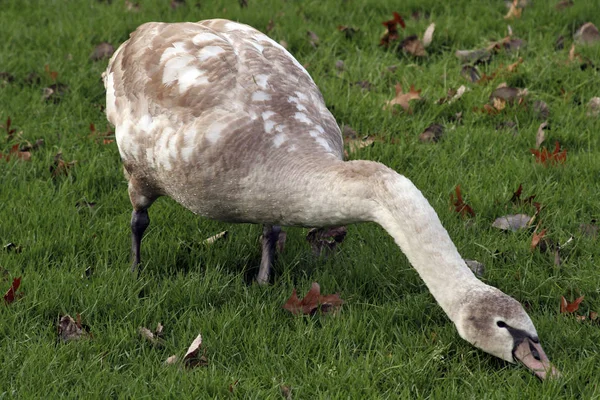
(587, 34)
(171, 360)
(354, 145)
(11, 294)
(391, 32)
(313, 302)
(590, 230)
(513, 67)
(286, 392)
(233, 385)
(52, 74)
(559, 44)
(192, 357)
(219, 236)
(7, 127)
(152, 337)
(541, 135)
(365, 85)
(513, 222)
(566, 307)
(516, 197)
(470, 73)
(433, 133)
(473, 56)
(6, 77)
(102, 52)
(475, 266)
(12, 247)
(561, 5)
(54, 92)
(428, 35)
(537, 237)
(412, 45)
(593, 107)
(325, 239)
(546, 158)
(459, 205)
(31, 147)
(403, 99)
(453, 95)
(541, 109)
(508, 94)
(70, 329)
(175, 4)
(514, 10)
(348, 31)
(60, 167)
(313, 39)
(509, 125)
(131, 6)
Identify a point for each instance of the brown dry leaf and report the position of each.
(54, 92)
(354, 145)
(590, 230)
(348, 31)
(453, 95)
(513, 67)
(470, 73)
(403, 99)
(593, 107)
(412, 45)
(513, 222)
(498, 103)
(428, 35)
(313, 302)
(566, 307)
(131, 6)
(70, 329)
(516, 199)
(219, 236)
(541, 109)
(391, 30)
(30, 147)
(587, 34)
(537, 237)
(561, 5)
(60, 167)
(432, 134)
(171, 360)
(152, 337)
(508, 94)
(12, 294)
(102, 52)
(175, 4)
(514, 11)
(473, 56)
(459, 205)
(541, 135)
(313, 39)
(325, 239)
(286, 392)
(192, 357)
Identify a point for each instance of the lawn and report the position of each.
(67, 216)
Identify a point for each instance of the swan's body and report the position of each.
(225, 121)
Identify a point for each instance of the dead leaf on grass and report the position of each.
(432, 134)
(11, 295)
(286, 392)
(566, 307)
(192, 357)
(593, 107)
(54, 92)
(325, 239)
(102, 52)
(428, 35)
(131, 6)
(546, 158)
(510, 95)
(313, 302)
(459, 205)
(391, 32)
(514, 11)
(541, 135)
(215, 238)
(153, 337)
(470, 73)
(536, 239)
(587, 34)
(590, 230)
(473, 56)
(70, 329)
(348, 31)
(561, 5)
(541, 110)
(175, 4)
(313, 39)
(513, 222)
(402, 99)
(413, 45)
(60, 167)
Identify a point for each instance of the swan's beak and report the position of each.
(532, 355)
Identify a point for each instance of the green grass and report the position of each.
(390, 339)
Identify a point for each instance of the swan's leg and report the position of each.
(139, 218)
(139, 222)
(269, 243)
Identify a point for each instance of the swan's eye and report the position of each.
(501, 324)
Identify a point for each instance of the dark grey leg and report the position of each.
(269, 242)
(139, 223)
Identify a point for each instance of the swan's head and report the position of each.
(498, 324)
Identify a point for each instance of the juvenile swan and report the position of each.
(224, 120)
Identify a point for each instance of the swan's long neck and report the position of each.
(372, 192)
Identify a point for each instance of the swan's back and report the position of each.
(205, 112)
